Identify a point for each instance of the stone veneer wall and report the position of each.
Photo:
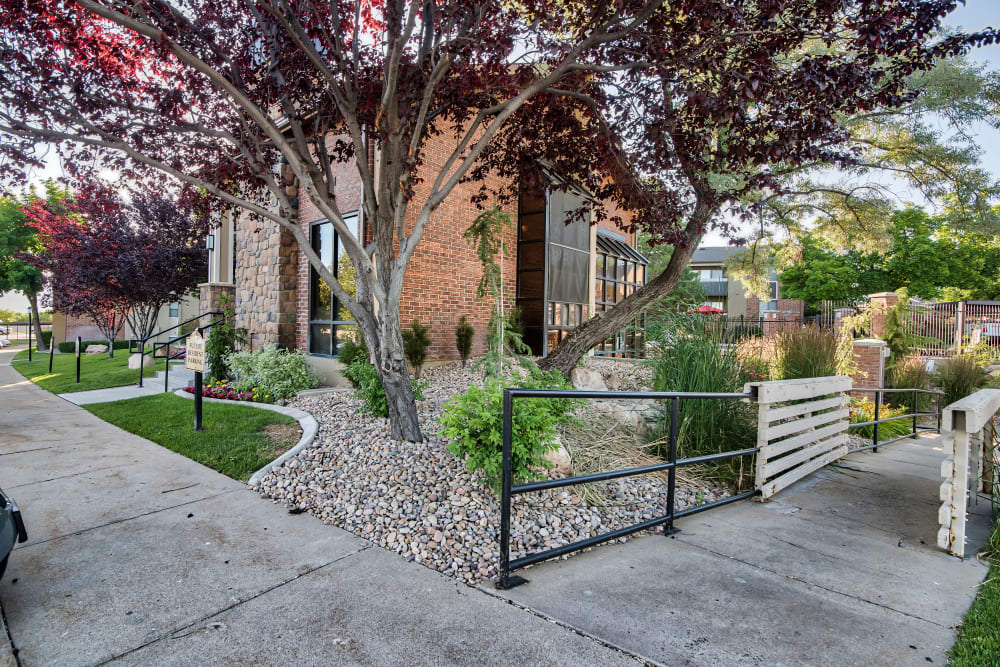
(265, 281)
(208, 301)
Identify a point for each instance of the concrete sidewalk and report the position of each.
(840, 569)
(140, 556)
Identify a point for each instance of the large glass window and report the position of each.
(330, 323)
(620, 270)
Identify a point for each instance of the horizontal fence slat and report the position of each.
(782, 391)
(776, 414)
(779, 448)
(798, 425)
(775, 485)
(784, 463)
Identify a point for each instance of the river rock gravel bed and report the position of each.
(418, 500)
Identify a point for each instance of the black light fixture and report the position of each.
(210, 242)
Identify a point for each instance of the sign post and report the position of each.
(79, 344)
(29, 336)
(51, 349)
(194, 360)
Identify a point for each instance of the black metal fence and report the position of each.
(914, 414)
(509, 490)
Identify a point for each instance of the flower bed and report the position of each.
(227, 392)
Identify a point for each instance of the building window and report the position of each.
(711, 275)
(771, 305)
(330, 323)
(174, 309)
(620, 271)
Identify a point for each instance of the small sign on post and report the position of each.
(194, 360)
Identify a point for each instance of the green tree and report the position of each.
(18, 243)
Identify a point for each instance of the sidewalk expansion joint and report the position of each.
(74, 474)
(815, 585)
(179, 632)
(25, 451)
(567, 626)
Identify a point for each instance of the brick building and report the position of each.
(557, 274)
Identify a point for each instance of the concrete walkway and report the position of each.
(840, 569)
(140, 556)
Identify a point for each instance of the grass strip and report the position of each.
(235, 440)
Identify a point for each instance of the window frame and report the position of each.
(314, 277)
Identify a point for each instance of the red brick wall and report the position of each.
(870, 360)
(788, 309)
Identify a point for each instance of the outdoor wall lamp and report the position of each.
(210, 242)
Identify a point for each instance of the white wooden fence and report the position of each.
(969, 433)
(802, 426)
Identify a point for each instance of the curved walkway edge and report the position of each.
(308, 423)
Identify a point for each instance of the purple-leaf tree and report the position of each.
(117, 262)
(671, 111)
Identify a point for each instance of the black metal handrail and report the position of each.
(879, 392)
(142, 341)
(508, 489)
(176, 355)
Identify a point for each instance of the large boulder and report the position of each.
(97, 349)
(586, 379)
(560, 459)
(133, 361)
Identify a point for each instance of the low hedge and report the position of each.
(69, 346)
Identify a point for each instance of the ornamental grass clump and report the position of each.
(911, 373)
(803, 352)
(958, 377)
(863, 410)
(692, 358)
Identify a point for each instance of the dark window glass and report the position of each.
(329, 321)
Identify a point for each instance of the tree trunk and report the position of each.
(598, 329)
(33, 298)
(395, 378)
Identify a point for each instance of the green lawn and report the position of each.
(96, 372)
(233, 441)
(979, 635)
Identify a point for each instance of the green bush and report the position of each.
(958, 377)
(473, 424)
(46, 337)
(692, 359)
(464, 334)
(69, 346)
(222, 340)
(415, 344)
(363, 376)
(276, 374)
(806, 352)
(351, 351)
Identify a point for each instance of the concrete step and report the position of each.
(179, 378)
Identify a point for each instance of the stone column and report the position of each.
(209, 298)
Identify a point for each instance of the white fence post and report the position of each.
(962, 423)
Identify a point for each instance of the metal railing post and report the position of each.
(506, 581)
(29, 336)
(939, 413)
(51, 350)
(79, 345)
(915, 410)
(878, 404)
(675, 411)
(166, 371)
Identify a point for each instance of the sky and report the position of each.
(975, 15)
